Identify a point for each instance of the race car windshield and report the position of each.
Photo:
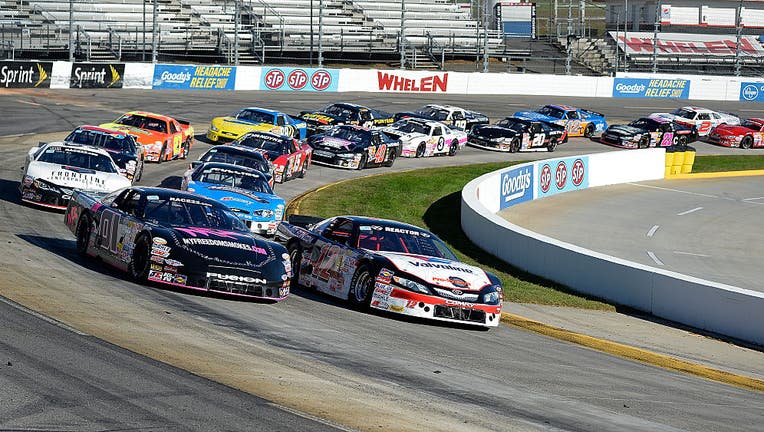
(256, 116)
(551, 111)
(348, 134)
(170, 212)
(390, 239)
(79, 159)
(433, 113)
(338, 111)
(511, 124)
(236, 179)
(143, 122)
(412, 127)
(100, 139)
(261, 143)
(644, 124)
(684, 113)
(237, 159)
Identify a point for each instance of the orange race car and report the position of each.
(163, 138)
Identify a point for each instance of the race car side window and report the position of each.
(118, 201)
(340, 231)
(174, 127)
(280, 121)
(437, 131)
(704, 116)
(130, 205)
(572, 115)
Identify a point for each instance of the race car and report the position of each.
(163, 138)
(454, 116)
(391, 266)
(180, 239)
(53, 171)
(354, 147)
(648, 132)
(750, 133)
(420, 137)
(244, 190)
(237, 155)
(127, 154)
(344, 113)
(513, 134)
(290, 158)
(702, 119)
(251, 119)
(576, 121)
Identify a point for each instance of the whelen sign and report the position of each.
(683, 45)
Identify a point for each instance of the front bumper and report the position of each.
(270, 290)
(488, 144)
(221, 136)
(323, 157)
(54, 199)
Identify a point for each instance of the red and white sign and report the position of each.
(321, 80)
(577, 172)
(561, 175)
(274, 79)
(641, 43)
(437, 83)
(545, 179)
(297, 79)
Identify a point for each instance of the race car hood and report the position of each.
(335, 144)
(237, 197)
(143, 136)
(665, 116)
(730, 130)
(228, 247)
(77, 178)
(321, 117)
(439, 271)
(232, 124)
(624, 130)
(493, 131)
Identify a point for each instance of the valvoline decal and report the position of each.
(436, 271)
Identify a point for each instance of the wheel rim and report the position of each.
(454, 148)
(589, 131)
(361, 288)
(420, 151)
(746, 143)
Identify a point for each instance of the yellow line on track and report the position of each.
(721, 174)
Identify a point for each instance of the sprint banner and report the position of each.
(97, 75)
(14, 74)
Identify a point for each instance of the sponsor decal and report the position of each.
(396, 308)
(69, 177)
(194, 77)
(568, 174)
(159, 241)
(283, 291)
(96, 75)
(516, 186)
(459, 283)
(651, 88)
(394, 82)
(425, 264)
(299, 79)
(173, 262)
(459, 303)
(224, 243)
(236, 279)
(687, 45)
(25, 74)
(385, 276)
(752, 91)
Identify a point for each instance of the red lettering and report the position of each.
(399, 83)
(385, 80)
(408, 84)
(427, 84)
(683, 47)
(440, 83)
(716, 47)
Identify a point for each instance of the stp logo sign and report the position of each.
(297, 79)
(578, 173)
(321, 80)
(545, 178)
(561, 175)
(274, 79)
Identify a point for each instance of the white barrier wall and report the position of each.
(695, 302)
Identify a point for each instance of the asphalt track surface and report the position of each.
(310, 357)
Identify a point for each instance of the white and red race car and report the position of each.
(702, 119)
(420, 137)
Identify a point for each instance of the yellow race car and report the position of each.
(252, 119)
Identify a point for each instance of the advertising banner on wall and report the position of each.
(31, 74)
(299, 79)
(97, 75)
(188, 77)
(651, 88)
(687, 44)
(516, 186)
(752, 91)
(397, 82)
(562, 175)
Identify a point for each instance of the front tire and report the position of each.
(362, 162)
(186, 149)
(84, 230)
(361, 288)
(420, 150)
(746, 142)
(140, 262)
(162, 154)
(589, 131)
(295, 255)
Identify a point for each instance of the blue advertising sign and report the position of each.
(516, 186)
(299, 79)
(562, 175)
(188, 77)
(651, 88)
(752, 91)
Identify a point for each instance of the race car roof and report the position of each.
(80, 147)
(240, 150)
(103, 130)
(385, 222)
(229, 167)
(150, 114)
(264, 110)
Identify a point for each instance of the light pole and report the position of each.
(320, 33)
(143, 45)
(738, 36)
(568, 46)
(625, 29)
(403, 33)
(485, 36)
(311, 33)
(71, 29)
(655, 36)
(154, 38)
(236, 20)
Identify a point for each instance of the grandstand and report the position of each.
(211, 30)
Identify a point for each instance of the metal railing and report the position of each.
(81, 36)
(112, 36)
(266, 9)
(432, 49)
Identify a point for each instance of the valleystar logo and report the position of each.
(393, 82)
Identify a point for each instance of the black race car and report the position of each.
(647, 132)
(238, 155)
(127, 154)
(513, 134)
(180, 239)
(391, 266)
(354, 147)
(344, 113)
(459, 118)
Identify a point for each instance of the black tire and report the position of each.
(551, 146)
(420, 150)
(393, 155)
(140, 262)
(514, 146)
(454, 148)
(589, 131)
(186, 149)
(84, 230)
(284, 174)
(162, 153)
(361, 287)
(303, 170)
(644, 142)
(295, 255)
(746, 142)
(139, 173)
(362, 162)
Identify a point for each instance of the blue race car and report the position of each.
(244, 190)
(252, 119)
(576, 121)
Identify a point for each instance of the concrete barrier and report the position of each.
(695, 302)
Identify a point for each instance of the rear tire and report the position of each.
(284, 173)
(303, 170)
(420, 150)
(454, 148)
(393, 155)
(361, 288)
(140, 262)
(746, 142)
(362, 162)
(139, 174)
(84, 230)
(295, 255)
(551, 146)
(514, 145)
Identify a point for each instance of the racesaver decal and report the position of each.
(562, 175)
(97, 75)
(516, 186)
(194, 77)
(25, 74)
(651, 88)
(299, 79)
(752, 91)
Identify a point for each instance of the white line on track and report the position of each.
(689, 211)
(27, 102)
(653, 230)
(654, 258)
(673, 190)
(691, 254)
(749, 110)
(56, 323)
(654, 109)
(17, 135)
(176, 101)
(311, 417)
(753, 199)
